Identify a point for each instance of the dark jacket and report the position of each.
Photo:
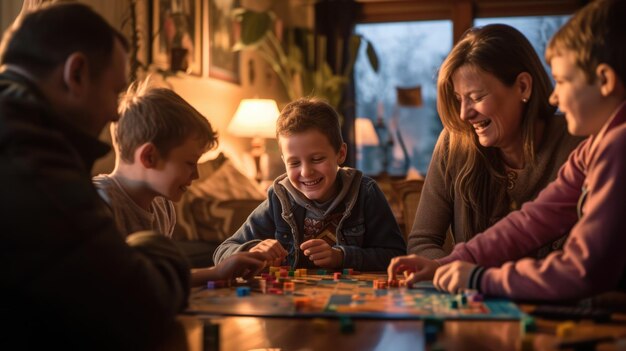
(367, 233)
(68, 279)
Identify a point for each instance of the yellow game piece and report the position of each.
(274, 269)
(565, 330)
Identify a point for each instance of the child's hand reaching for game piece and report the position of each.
(415, 268)
(453, 277)
(273, 250)
(322, 254)
(244, 264)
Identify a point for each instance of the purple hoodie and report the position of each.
(589, 198)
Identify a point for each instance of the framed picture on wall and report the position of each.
(223, 62)
(177, 26)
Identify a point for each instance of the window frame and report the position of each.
(461, 12)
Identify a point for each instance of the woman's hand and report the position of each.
(415, 268)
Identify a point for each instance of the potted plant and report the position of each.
(302, 71)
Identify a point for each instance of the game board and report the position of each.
(353, 295)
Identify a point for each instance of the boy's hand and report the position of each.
(273, 250)
(244, 264)
(415, 268)
(322, 254)
(453, 277)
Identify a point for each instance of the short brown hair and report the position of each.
(594, 35)
(159, 116)
(43, 39)
(310, 113)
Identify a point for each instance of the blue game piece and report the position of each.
(243, 291)
(430, 333)
(210, 284)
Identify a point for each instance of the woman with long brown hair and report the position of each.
(502, 141)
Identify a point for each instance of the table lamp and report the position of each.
(256, 119)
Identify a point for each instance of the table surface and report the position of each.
(297, 333)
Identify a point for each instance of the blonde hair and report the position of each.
(504, 52)
(159, 116)
(310, 113)
(594, 35)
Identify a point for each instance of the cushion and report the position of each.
(217, 203)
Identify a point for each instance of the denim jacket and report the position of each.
(367, 233)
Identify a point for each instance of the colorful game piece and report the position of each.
(527, 325)
(430, 333)
(274, 291)
(211, 336)
(302, 302)
(347, 271)
(289, 287)
(291, 274)
(346, 326)
(336, 276)
(565, 330)
(243, 291)
(453, 304)
(321, 272)
(210, 284)
(274, 269)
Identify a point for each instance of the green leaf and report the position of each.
(254, 26)
(372, 56)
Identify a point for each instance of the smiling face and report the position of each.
(579, 100)
(311, 163)
(172, 175)
(493, 109)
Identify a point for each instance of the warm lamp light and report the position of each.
(365, 133)
(256, 119)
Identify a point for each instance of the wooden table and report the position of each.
(296, 333)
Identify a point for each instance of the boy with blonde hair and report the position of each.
(588, 60)
(158, 141)
(318, 214)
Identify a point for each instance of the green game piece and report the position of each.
(453, 304)
(211, 336)
(346, 325)
(527, 325)
(291, 273)
(321, 272)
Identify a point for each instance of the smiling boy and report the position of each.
(318, 214)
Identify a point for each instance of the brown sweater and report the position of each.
(440, 208)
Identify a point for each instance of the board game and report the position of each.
(302, 293)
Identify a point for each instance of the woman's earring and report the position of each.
(524, 100)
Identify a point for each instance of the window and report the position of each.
(412, 38)
(410, 54)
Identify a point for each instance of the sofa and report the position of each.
(213, 208)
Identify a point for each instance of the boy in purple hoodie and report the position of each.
(588, 60)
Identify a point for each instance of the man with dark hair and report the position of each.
(68, 278)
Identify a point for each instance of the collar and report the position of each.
(19, 87)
